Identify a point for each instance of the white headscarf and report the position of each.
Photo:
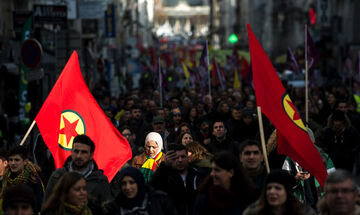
(154, 136)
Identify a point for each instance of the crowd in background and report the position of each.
(194, 153)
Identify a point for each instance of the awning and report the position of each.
(10, 68)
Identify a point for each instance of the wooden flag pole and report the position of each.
(263, 139)
(306, 80)
(27, 133)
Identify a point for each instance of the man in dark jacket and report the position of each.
(81, 161)
(251, 158)
(221, 141)
(340, 141)
(177, 179)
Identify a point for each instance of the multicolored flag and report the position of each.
(313, 54)
(69, 110)
(275, 103)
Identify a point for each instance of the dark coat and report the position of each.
(97, 183)
(342, 147)
(227, 145)
(253, 209)
(155, 202)
(221, 204)
(168, 180)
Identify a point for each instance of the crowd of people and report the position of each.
(196, 154)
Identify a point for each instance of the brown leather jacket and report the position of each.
(139, 160)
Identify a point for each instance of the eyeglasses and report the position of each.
(126, 135)
(342, 190)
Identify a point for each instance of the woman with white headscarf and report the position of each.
(150, 160)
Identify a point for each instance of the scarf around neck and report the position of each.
(85, 172)
(77, 209)
(27, 175)
(221, 199)
(149, 166)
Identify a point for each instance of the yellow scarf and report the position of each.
(150, 165)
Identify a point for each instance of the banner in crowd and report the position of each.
(276, 104)
(69, 110)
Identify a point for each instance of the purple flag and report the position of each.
(292, 62)
(204, 62)
(313, 53)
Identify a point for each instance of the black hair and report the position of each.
(82, 138)
(3, 155)
(124, 127)
(176, 147)
(249, 142)
(135, 107)
(19, 150)
(217, 120)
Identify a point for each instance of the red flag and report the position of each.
(70, 109)
(214, 81)
(217, 75)
(154, 63)
(276, 104)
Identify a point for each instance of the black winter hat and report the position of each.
(18, 193)
(282, 177)
(338, 115)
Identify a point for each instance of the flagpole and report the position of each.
(306, 80)
(27, 133)
(160, 84)
(208, 64)
(263, 139)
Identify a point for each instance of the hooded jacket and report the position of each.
(340, 144)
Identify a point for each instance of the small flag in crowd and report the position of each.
(275, 103)
(237, 83)
(246, 73)
(313, 53)
(69, 110)
(187, 75)
(204, 62)
(217, 75)
(292, 62)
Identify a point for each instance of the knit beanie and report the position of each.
(282, 177)
(19, 193)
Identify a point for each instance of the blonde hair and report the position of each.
(198, 152)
